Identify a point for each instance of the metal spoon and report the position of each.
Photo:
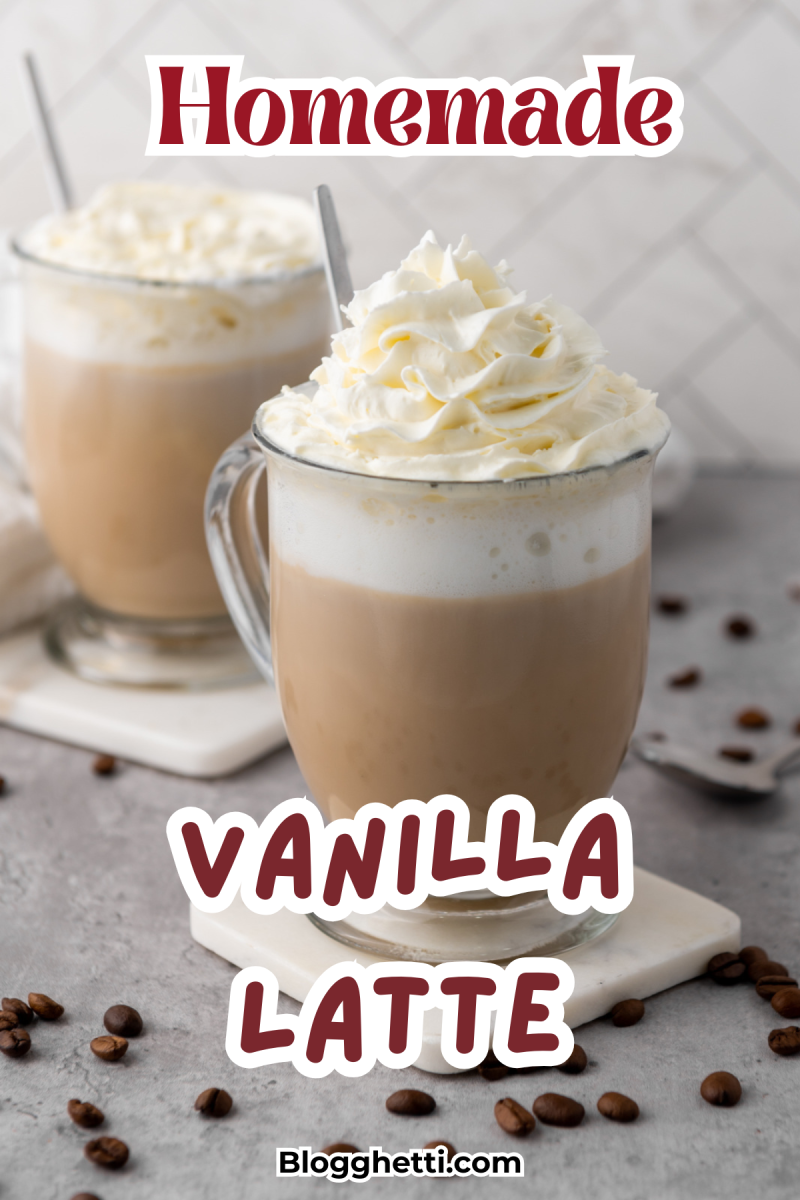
(698, 770)
(57, 181)
(337, 272)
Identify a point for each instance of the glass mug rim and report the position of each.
(278, 276)
(518, 483)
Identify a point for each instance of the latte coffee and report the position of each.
(157, 320)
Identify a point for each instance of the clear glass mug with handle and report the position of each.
(476, 639)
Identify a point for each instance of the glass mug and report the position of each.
(477, 638)
(132, 390)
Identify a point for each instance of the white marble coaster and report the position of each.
(666, 936)
(192, 733)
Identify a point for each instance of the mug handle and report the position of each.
(234, 544)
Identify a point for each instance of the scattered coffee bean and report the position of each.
(785, 1042)
(109, 1048)
(2, 784)
(655, 736)
(726, 969)
(410, 1103)
(8, 1020)
(796, 728)
(513, 1118)
(339, 1148)
(754, 718)
(84, 1114)
(686, 679)
(721, 1088)
(769, 986)
(752, 954)
(558, 1110)
(617, 1107)
(44, 1007)
(24, 1013)
(786, 1002)
(85, 1196)
(576, 1061)
(740, 627)
(104, 764)
(627, 1012)
(740, 754)
(214, 1102)
(107, 1152)
(450, 1150)
(491, 1068)
(123, 1020)
(672, 606)
(765, 966)
(15, 1042)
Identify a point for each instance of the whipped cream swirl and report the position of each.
(170, 232)
(446, 373)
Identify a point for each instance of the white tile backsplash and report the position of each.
(689, 265)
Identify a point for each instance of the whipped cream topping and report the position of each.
(170, 232)
(446, 373)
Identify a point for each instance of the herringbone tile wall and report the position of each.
(689, 265)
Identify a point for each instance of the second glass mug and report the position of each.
(471, 638)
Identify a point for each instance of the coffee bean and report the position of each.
(107, 1152)
(690, 677)
(109, 1048)
(752, 954)
(410, 1103)
(672, 606)
(84, 1114)
(15, 1042)
(214, 1102)
(786, 1002)
(2, 784)
(627, 1012)
(85, 1196)
(339, 1148)
(785, 1042)
(769, 985)
(726, 969)
(576, 1061)
(558, 1110)
(44, 1007)
(721, 1088)
(8, 1020)
(740, 627)
(617, 1107)
(491, 1068)
(513, 1118)
(104, 764)
(123, 1020)
(450, 1150)
(754, 718)
(740, 754)
(765, 966)
(796, 728)
(24, 1013)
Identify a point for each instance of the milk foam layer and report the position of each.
(141, 322)
(164, 231)
(462, 540)
(447, 374)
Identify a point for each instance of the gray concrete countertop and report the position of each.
(93, 914)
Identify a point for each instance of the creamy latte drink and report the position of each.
(158, 318)
(459, 571)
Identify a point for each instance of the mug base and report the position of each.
(475, 929)
(187, 655)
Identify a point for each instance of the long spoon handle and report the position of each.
(337, 272)
(57, 181)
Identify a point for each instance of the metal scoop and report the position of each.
(726, 778)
